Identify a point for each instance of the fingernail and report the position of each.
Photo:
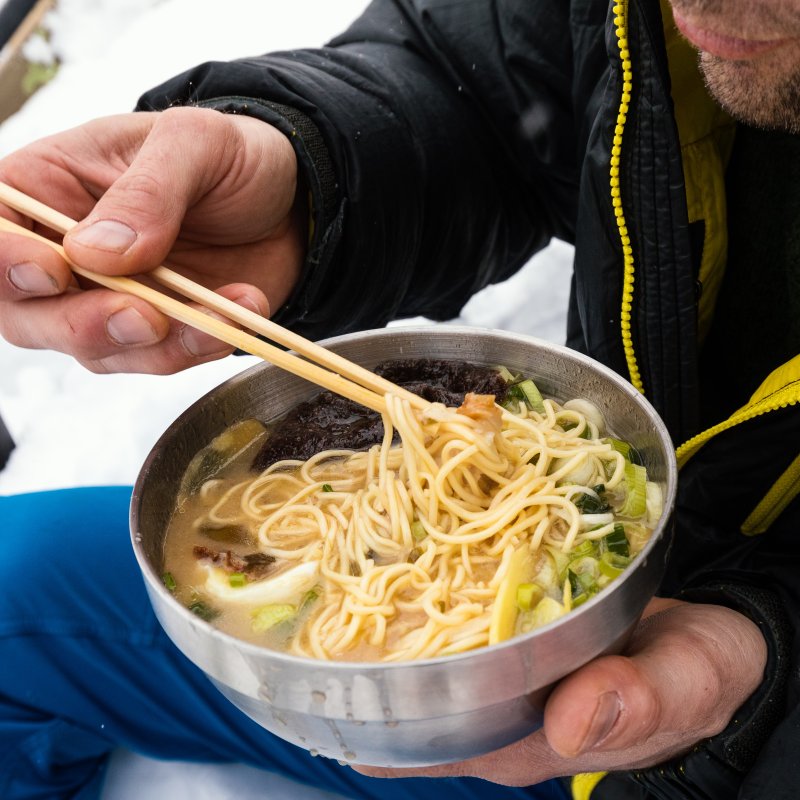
(248, 303)
(32, 279)
(198, 343)
(605, 716)
(106, 234)
(129, 327)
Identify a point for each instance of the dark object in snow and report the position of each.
(12, 12)
(6, 444)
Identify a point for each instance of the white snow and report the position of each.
(74, 428)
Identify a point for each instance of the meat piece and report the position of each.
(254, 565)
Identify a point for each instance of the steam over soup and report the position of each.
(334, 534)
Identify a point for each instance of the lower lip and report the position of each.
(726, 46)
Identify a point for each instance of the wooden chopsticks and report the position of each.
(338, 375)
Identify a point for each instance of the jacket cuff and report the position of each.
(316, 174)
(715, 767)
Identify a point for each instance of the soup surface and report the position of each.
(335, 534)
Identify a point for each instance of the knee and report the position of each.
(56, 543)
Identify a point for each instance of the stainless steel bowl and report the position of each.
(420, 712)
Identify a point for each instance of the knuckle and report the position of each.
(204, 123)
(140, 190)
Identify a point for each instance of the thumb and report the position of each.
(687, 669)
(135, 223)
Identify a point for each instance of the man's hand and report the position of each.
(686, 670)
(213, 195)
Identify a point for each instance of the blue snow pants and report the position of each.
(85, 668)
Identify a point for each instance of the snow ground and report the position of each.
(73, 428)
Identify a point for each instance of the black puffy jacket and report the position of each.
(443, 144)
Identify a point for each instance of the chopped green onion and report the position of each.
(418, 531)
(237, 579)
(589, 504)
(526, 392)
(611, 564)
(326, 487)
(583, 574)
(309, 597)
(560, 559)
(575, 584)
(506, 374)
(628, 450)
(654, 501)
(580, 599)
(585, 548)
(269, 616)
(635, 504)
(203, 610)
(528, 595)
(169, 581)
(616, 542)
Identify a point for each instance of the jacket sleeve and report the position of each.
(436, 140)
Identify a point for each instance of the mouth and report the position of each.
(723, 46)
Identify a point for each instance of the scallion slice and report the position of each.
(635, 504)
(237, 579)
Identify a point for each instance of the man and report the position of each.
(438, 146)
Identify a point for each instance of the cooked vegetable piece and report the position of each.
(269, 616)
(528, 595)
(526, 392)
(616, 542)
(546, 610)
(635, 504)
(507, 375)
(418, 531)
(612, 565)
(628, 451)
(232, 534)
(654, 502)
(589, 504)
(285, 587)
(521, 569)
(588, 410)
(221, 452)
(583, 574)
(203, 610)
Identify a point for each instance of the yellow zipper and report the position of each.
(584, 783)
(783, 491)
(781, 398)
(621, 26)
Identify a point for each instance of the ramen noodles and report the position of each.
(463, 526)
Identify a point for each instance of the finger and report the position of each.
(523, 763)
(87, 325)
(30, 269)
(135, 223)
(247, 295)
(689, 668)
(199, 345)
(183, 346)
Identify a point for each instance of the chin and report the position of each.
(753, 93)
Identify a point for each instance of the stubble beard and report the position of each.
(770, 101)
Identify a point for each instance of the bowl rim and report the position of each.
(155, 583)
